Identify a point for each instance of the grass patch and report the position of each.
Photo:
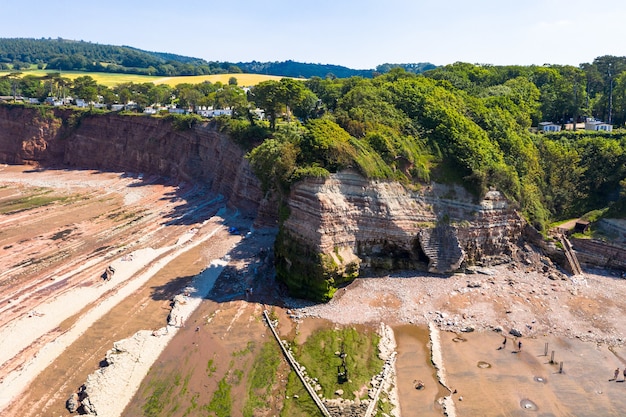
(160, 398)
(30, 202)
(193, 404)
(318, 355)
(362, 361)
(221, 404)
(236, 377)
(262, 378)
(248, 349)
(210, 368)
(298, 402)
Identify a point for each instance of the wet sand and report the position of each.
(413, 363)
(495, 381)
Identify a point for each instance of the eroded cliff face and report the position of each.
(29, 136)
(140, 144)
(345, 223)
(336, 226)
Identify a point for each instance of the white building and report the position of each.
(210, 112)
(597, 125)
(549, 127)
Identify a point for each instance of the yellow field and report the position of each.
(111, 80)
(243, 80)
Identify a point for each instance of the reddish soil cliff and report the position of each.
(139, 144)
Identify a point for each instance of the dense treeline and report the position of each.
(67, 55)
(461, 123)
(301, 70)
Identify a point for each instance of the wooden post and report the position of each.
(561, 368)
(545, 350)
(552, 357)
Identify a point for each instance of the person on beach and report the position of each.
(616, 374)
(519, 346)
(624, 375)
(503, 343)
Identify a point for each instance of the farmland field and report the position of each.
(111, 79)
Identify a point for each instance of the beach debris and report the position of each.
(72, 403)
(515, 332)
(108, 273)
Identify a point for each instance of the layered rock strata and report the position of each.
(346, 223)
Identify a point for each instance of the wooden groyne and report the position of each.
(296, 367)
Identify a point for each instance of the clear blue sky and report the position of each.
(358, 34)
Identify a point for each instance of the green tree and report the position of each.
(273, 162)
(13, 78)
(266, 95)
(276, 97)
(325, 143)
(562, 177)
(86, 88)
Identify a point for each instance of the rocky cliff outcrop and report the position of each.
(337, 226)
(140, 144)
(345, 223)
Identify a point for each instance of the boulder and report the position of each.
(72, 403)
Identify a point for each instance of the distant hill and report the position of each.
(299, 69)
(71, 55)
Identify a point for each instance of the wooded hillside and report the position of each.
(68, 55)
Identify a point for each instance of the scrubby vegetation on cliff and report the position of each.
(462, 124)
